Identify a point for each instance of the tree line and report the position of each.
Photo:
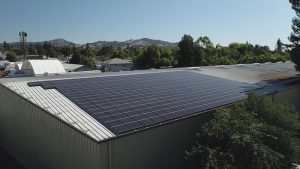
(188, 52)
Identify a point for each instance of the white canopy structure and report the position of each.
(42, 67)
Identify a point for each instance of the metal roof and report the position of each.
(72, 67)
(58, 105)
(251, 73)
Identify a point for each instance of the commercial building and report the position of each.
(128, 120)
(115, 65)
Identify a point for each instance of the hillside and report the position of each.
(138, 43)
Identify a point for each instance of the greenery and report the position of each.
(83, 56)
(188, 52)
(295, 36)
(11, 56)
(255, 134)
(154, 57)
(202, 52)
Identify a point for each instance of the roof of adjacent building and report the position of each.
(107, 105)
(117, 61)
(251, 73)
(72, 67)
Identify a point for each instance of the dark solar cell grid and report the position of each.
(130, 102)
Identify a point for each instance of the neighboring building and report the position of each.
(42, 67)
(115, 65)
(3, 64)
(76, 67)
(14, 70)
(31, 57)
(130, 120)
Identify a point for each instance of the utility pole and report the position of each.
(23, 39)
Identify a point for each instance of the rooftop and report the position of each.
(117, 61)
(107, 105)
(251, 73)
(71, 67)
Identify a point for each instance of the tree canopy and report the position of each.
(255, 134)
(11, 56)
(186, 51)
(154, 56)
(295, 35)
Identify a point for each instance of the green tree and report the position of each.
(11, 56)
(279, 46)
(119, 53)
(66, 51)
(205, 42)
(32, 50)
(154, 56)
(295, 36)
(6, 46)
(88, 61)
(106, 50)
(149, 57)
(49, 50)
(76, 56)
(255, 134)
(186, 51)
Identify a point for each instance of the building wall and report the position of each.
(161, 147)
(290, 96)
(117, 67)
(40, 141)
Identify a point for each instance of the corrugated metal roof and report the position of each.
(61, 107)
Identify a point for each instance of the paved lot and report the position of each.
(8, 162)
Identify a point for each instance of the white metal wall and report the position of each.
(40, 141)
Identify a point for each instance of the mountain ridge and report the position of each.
(138, 43)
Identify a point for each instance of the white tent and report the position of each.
(42, 67)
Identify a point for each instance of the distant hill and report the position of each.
(55, 42)
(138, 43)
(60, 42)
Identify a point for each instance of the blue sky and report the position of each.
(224, 21)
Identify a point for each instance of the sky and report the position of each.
(82, 21)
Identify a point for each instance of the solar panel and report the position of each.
(130, 102)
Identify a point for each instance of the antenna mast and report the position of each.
(23, 40)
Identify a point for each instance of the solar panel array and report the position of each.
(130, 102)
